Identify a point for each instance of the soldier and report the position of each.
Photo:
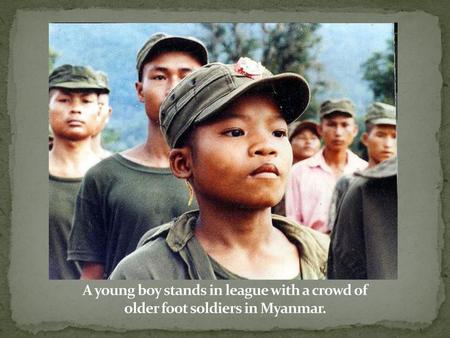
(364, 238)
(73, 115)
(305, 139)
(130, 192)
(312, 181)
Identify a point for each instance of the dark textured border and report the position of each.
(7, 12)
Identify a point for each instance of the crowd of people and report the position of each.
(230, 183)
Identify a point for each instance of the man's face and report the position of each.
(243, 157)
(381, 143)
(73, 115)
(305, 144)
(338, 131)
(104, 113)
(159, 76)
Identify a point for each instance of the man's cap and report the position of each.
(76, 77)
(332, 106)
(103, 79)
(381, 113)
(297, 127)
(164, 42)
(206, 91)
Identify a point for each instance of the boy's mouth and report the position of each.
(266, 170)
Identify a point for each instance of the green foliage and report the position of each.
(110, 137)
(379, 71)
(281, 47)
(52, 57)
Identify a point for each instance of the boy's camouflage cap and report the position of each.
(206, 91)
(76, 77)
(331, 106)
(296, 127)
(162, 41)
(381, 113)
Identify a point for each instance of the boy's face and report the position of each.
(305, 144)
(338, 131)
(159, 76)
(242, 158)
(104, 113)
(381, 142)
(73, 114)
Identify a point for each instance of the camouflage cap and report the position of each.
(341, 105)
(206, 91)
(381, 113)
(103, 80)
(296, 127)
(75, 77)
(161, 41)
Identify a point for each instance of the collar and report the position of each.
(312, 246)
(318, 160)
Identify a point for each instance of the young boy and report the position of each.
(311, 182)
(227, 127)
(128, 193)
(380, 138)
(105, 114)
(73, 115)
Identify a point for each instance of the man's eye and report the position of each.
(234, 132)
(280, 133)
(158, 77)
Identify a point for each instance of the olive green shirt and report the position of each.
(172, 251)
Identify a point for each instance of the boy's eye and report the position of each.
(234, 132)
(279, 133)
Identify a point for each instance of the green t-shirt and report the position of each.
(119, 200)
(181, 256)
(62, 195)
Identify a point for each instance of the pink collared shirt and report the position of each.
(310, 187)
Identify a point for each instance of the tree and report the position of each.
(292, 47)
(52, 56)
(281, 47)
(379, 71)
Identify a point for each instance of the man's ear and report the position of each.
(364, 139)
(319, 129)
(356, 129)
(138, 85)
(180, 162)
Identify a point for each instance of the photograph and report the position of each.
(222, 151)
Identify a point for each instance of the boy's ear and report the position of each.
(138, 86)
(364, 139)
(180, 162)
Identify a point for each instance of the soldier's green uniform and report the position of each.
(172, 251)
(364, 238)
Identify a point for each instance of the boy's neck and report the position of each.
(71, 158)
(154, 152)
(231, 226)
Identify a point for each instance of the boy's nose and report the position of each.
(262, 147)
